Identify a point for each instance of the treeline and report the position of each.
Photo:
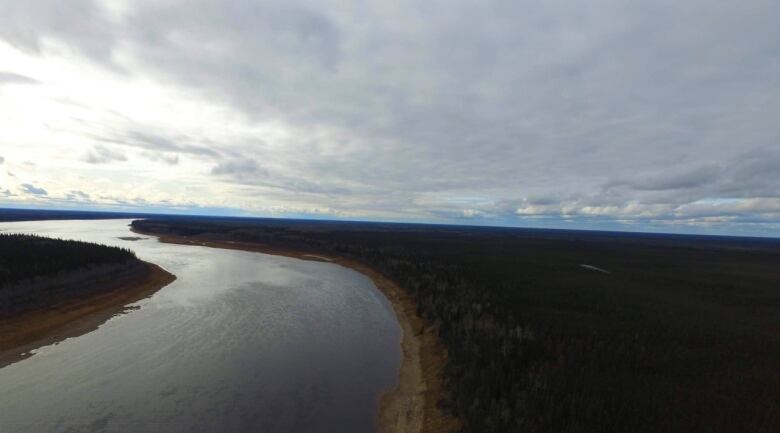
(23, 257)
(682, 334)
(40, 215)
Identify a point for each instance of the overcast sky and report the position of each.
(631, 115)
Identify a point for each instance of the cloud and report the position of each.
(156, 142)
(32, 189)
(432, 109)
(523, 110)
(78, 196)
(12, 78)
(241, 170)
(162, 157)
(159, 142)
(2, 160)
(102, 154)
(671, 181)
(755, 173)
(83, 24)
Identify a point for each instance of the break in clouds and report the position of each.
(607, 114)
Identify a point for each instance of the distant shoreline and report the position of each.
(411, 407)
(29, 330)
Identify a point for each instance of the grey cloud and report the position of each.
(13, 78)
(78, 195)
(160, 142)
(238, 168)
(82, 24)
(246, 171)
(672, 181)
(32, 189)
(156, 142)
(751, 174)
(311, 187)
(543, 200)
(451, 114)
(102, 154)
(548, 108)
(754, 174)
(162, 157)
(2, 159)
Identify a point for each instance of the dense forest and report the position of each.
(40, 214)
(28, 256)
(568, 331)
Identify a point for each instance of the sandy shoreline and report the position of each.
(22, 333)
(411, 407)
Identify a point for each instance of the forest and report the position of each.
(10, 214)
(572, 331)
(39, 272)
(29, 256)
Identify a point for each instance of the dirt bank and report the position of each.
(412, 406)
(23, 332)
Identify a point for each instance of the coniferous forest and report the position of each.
(39, 272)
(28, 256)
(571, 331)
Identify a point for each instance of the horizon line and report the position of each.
(145, 214)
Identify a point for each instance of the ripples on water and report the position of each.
(240, 342)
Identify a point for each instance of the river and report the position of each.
(240, 342)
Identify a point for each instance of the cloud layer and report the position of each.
(648, 114)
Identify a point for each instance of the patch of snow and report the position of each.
(593, 268)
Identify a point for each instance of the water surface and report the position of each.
(240, 342)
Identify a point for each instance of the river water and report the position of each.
(240, 342)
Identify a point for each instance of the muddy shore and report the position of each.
(411, 407)
(24, 332)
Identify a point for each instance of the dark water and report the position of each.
(240, 342)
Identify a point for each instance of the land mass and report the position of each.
(655, 333)
(412, 406)
(52, 289)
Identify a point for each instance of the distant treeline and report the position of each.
(681, 335)
(24, 257)
(39, 215)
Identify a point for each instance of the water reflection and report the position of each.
(239, 342)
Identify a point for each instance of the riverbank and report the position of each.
(24, 332)
(411, 407)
